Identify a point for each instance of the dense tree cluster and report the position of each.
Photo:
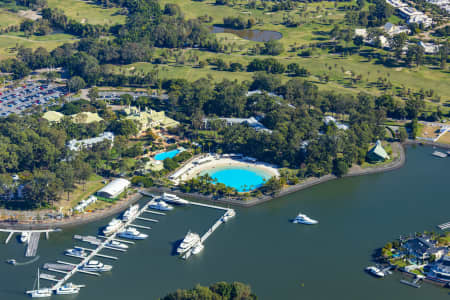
(217, 291)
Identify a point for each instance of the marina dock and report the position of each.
(101, 244)
(213, 228)
(444, 226)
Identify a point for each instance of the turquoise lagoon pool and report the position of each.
(167, 154)
(241, 178)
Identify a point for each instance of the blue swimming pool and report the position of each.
(168, 154)
(241, 178)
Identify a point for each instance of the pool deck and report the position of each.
(207, 162)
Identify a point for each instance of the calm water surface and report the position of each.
(260, 247)
(250, 34)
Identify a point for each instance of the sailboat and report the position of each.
(40, 293)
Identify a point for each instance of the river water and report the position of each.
(260, 247)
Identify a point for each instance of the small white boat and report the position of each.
(171, 198)
(188, 242)
(11, 261)
(132, 233)
(68, 289)
(228, 215)
(95, 266)
(304, 219)
(198, 248)
(112, 227)
(130, 213)
(117, 245)
(375, 271)
(76, 252)
(25, 237)
(40, 293)
(159, 205)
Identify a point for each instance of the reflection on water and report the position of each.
(250, 34)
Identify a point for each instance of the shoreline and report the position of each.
(73, 221)
(397, 163)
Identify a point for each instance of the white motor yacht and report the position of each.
(112, 227)
(76, 252)
(159, 205)
(95, 266)
(132, 233)
(375, 271)
(229, 214)
(130, 213)
(188, 242)
(171, 198)
(39, 293)
(67, 289)
(24, 237)
(304, 219)
(198, 248)
(117, 245)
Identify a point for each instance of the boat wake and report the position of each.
(27, 262)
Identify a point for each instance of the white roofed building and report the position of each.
(77, 145)
(114, 188)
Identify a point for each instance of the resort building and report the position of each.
(114, 188)
(79, 118)
(429, 48)
(440, 270)
(392, 29)
(149, 118)
(329, 119)
(53, 116)
(377, 153)
(77, 145)
(251, 122)
(410, 13)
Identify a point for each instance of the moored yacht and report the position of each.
(117, 245)
(130, 213)
(171, 198)
(375, 271)
(188, 242)
(39, 293)
(24, 236)
(76, 252)
(95, 266)
(198, 248)
(159, 205)
(112, 227)
(229, 214)
(132, 233)
(67, 289)
(304, 219)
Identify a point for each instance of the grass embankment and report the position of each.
(88, 12)
(82, 192)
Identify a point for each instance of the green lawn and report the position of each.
(8, 18)
(8, 42)
(86, 11)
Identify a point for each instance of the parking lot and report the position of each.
(16, 100)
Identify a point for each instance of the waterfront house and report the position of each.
(377, 153)
(422, 248)
(440, 270)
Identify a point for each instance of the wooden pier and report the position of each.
(154, 212)
(33, 244)
(10, 235)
